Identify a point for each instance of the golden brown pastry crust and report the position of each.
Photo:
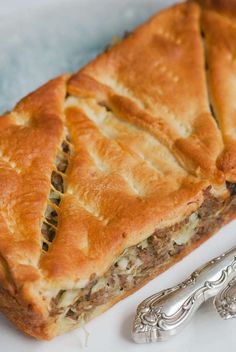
(226, 7)
(219, 28)
(144, 79)
(33, 324)
(143, 148)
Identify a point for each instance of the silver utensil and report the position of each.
(225, 300)
(166, 313)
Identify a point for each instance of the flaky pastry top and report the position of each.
(93, 163)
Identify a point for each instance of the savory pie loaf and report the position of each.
(111, 175)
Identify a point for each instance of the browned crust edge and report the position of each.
(34, 324)
(23, 315)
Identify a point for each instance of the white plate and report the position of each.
(39, 41)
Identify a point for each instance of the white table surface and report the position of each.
(38, 41)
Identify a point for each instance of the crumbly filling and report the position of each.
(139, 262)
(49, 225)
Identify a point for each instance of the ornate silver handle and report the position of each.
(225, 300)
(166, 313)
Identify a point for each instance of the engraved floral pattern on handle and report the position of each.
(225, 301)
(166, 313)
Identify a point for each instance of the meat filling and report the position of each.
(49, 225)
(141, 261)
